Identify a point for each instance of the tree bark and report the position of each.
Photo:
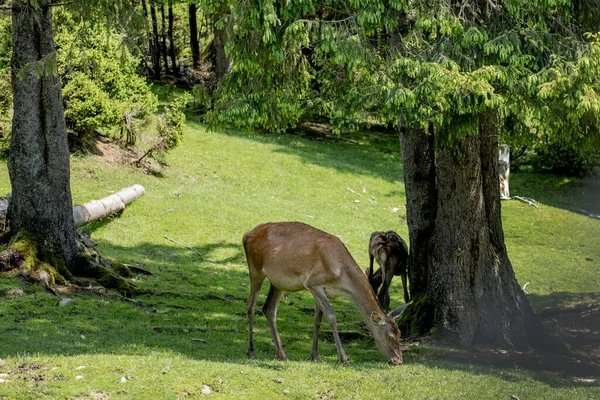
(418, 160)
(222, 62)
(462, 281)
(194, 43)
(97, 209)
(38, 161)
(163, 39)
(172, 53)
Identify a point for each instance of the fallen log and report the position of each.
(90, 211)
(97, 209)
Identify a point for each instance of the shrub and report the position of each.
(5, 110)
(170, 129)
(171, 124)
(566, 159)
(87, 106)
(101, 85)
(201, 100)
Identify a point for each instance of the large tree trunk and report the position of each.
(194, 43)
(421, 201)
(462, 281)
(38, 161)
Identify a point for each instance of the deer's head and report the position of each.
(387, 337)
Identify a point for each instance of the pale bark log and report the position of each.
(98, 209)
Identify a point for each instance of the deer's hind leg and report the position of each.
(270, 310)
(256, 281)
(405, 287)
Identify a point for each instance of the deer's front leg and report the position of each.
(323, 302)
(405, 287)
(370, 269)
(383, 296)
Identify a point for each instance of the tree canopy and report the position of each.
(415, 63)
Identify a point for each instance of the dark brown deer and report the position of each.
(295, 256)
(391, 254)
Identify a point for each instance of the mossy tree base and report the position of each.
(417, 319)
(23, 254)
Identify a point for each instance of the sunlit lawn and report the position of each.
(189, 339)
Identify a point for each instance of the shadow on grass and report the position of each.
(196, 307)
(575, 325)
(379, 155)
(558, 191)
(367, 153)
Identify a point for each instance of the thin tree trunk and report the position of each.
(194, 43)
(155, 42)
(163, 39)
(467, 291)
(144, 61)
(38, 161)
(172, 41)
(222, 62)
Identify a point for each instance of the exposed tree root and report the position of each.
(23, 256)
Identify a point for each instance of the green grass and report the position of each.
(218, 185)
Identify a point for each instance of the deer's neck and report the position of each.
(363, 297)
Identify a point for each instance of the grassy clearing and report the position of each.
(192, 337)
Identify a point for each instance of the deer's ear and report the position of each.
(378, 318)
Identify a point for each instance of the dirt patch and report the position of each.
(111, 152)
(94, 396)
(105, 149)
(578, 327)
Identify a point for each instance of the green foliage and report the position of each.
(170, 126)
(6, 110)
(5, 83)
(201, 100)
(530, 61)
(5, 41)
(566, 159)
(269, 81)
(172, 122)
(87, 107)
(100, 80)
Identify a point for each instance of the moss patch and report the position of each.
(26, 245)
(108, 273)
(417, 318)
(51, 270)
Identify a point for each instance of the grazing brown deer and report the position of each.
(391, 254)
(295, 256)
